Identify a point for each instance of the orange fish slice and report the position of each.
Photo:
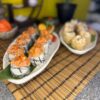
(35, 51)
(21, 61)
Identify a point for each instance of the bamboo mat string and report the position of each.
(82, 80)
(68, 78)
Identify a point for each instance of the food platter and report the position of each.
(54, 46)
(78, 52)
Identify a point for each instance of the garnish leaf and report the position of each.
(93, 38)
(32, 67)
(70, 46)
(6, 73)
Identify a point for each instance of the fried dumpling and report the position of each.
(68, 37)
(78, 42)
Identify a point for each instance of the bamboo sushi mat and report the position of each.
(64, 78)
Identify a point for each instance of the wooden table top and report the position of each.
(64, 78)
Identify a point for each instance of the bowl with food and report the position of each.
(78, 37)
(7, 30)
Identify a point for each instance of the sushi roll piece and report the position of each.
(43, 41)
(25, 36)
(24, 41)
(36, 55)
(23, 44)
(14, 51)
(20, 66)
(28, 38)
(33, 33)
(78, 42)
(47, 35)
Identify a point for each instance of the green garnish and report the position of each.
(70, 46)
(48, 24)
(6, 73)
(32, 67)
(93, 38)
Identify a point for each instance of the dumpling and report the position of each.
(78, 42)
(68, 37)
(68, 27)
(87, 36)
(74, 22)
(81, 27)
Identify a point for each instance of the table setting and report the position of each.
(63, 61)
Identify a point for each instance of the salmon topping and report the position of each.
(21, 61)
(16, 50)
(46, 34)
(35, 51)
(23, 39)
(31, 30)
(22, 42)
(41, 40)
(25, 35)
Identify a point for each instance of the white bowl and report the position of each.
(78, 52)
(10, 34)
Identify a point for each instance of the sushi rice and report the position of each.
(47, 35)
(24, 41)
(20, 66)
(33, 33)
(46, 41)
(43, 41)
(14, 51)
(36, 55)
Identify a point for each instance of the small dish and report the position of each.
(78, 52)
(10, 34)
